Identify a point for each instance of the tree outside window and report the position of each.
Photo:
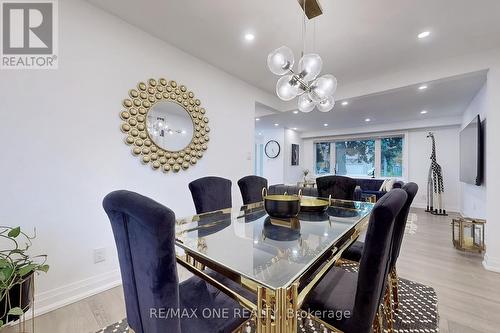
(356, 157)
(363, 157)
(392, 157)
(322, 158)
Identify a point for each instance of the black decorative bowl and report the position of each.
(281, 230)
(281, 206)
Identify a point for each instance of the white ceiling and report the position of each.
(444, 98)
(357, 39)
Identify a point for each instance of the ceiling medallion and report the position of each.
(313, 91)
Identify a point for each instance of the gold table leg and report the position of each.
(394, 285)
(277, 310)
(388, 309)
(377, 322)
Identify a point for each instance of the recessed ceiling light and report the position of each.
(260, 133)
(424, 34)
(368, 120)
(422, 87)
(249, 37)
(257, 119)
(423, 112)
(276, 125)
(295, 128)
(326, 125)
(296, 111)
(344, 103)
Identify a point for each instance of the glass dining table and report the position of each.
(279, 261)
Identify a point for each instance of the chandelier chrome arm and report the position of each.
(297, 79)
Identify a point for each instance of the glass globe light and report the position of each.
(310, 66)
(287, 88)
(323, 87)
(312, 95)
(280, 60)
(326, 105)
(160, 124)
(306, 104)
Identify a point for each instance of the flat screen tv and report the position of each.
(471, 153)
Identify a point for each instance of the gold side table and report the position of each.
(468, 234)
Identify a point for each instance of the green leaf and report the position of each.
(15, 312)
(14, 232)
(6, 273)
(1, 323)
(44, 268)
(26, 269)
(4, 263)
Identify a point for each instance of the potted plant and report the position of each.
(17, 269)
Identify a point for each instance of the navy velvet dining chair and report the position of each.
(359, 294)
(144, 232)
(355, 251)
(251, 188)
(210, 194)
(339, 187)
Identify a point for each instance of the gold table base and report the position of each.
(276, 310)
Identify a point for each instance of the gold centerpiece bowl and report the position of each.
(314, 205)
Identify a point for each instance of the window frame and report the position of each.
(378, 152)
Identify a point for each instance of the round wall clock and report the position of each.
(272, 149)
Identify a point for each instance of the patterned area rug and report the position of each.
(417, 313)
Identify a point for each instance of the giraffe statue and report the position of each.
(435, 184)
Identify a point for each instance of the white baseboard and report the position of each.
(491, 264)
(73, 292)
(424, 206)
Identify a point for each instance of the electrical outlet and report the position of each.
(99, 255)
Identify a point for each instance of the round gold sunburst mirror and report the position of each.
(165, 125)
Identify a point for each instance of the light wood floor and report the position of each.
(468, 295)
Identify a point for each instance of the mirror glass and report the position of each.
(170, 126)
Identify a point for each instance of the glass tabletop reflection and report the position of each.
(271, 252)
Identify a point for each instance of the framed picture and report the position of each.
(295, 154)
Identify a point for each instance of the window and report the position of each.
(356, 158)
(392, 157)
(361, 157)
(322, 165)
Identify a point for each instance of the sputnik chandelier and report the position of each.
(313, 91)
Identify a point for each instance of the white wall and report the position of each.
(447, 154)
(492, 102)
(280, 170)
(292, 173)
(63, 150)
(473, 198)
(273, 167)
(418, 151)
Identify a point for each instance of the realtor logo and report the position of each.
(29, 34)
